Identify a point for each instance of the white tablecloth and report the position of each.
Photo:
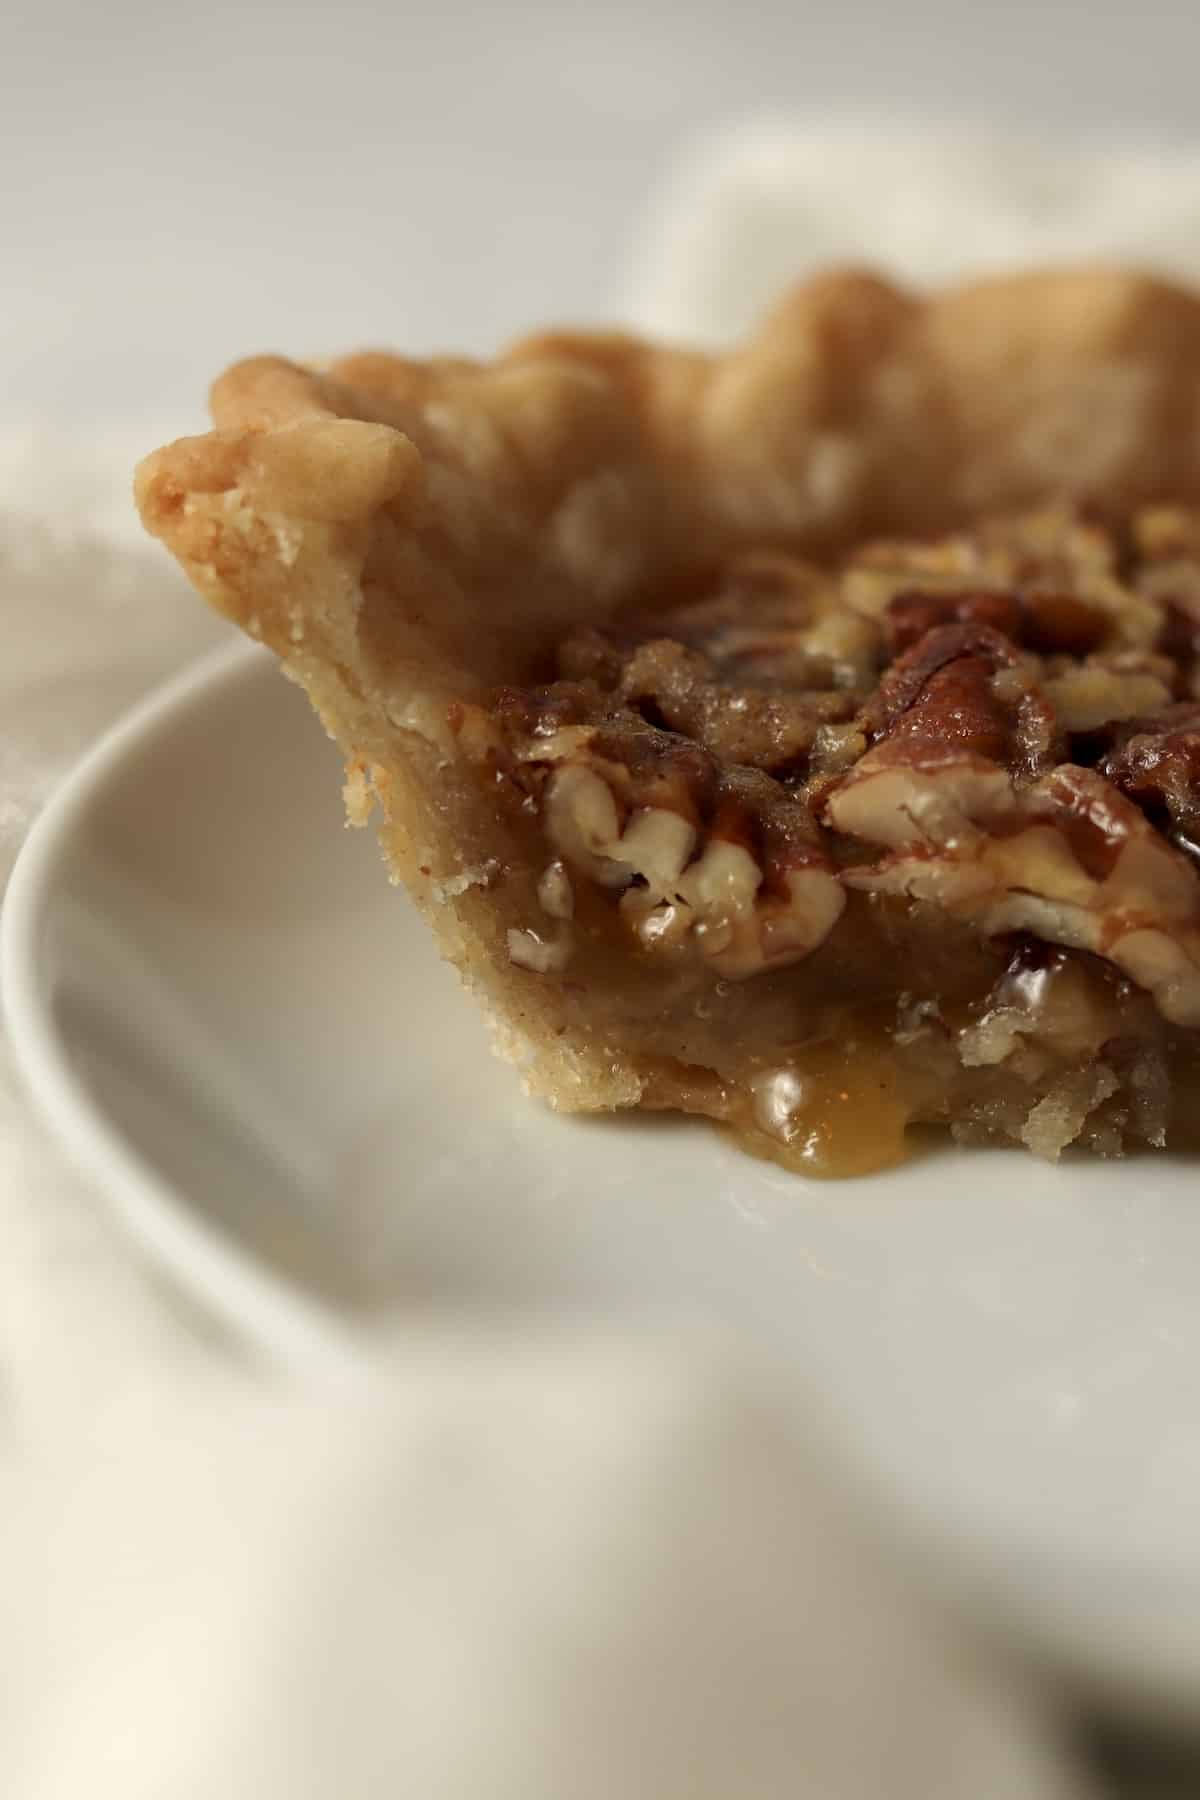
(588, 1567)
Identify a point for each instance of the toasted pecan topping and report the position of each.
(752, 670)
(1156, 762)
(1047, 622)
(1089, 696)
(911, 614)
(1068, 859)
(1065, 624)
(730, 768)
(942, 699)
(753, 726)
(723, 861)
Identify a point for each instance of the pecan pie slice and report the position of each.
(809, 736)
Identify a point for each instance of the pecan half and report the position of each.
(951, 723)
(942, 692)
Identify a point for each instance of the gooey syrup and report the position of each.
(834, 1109)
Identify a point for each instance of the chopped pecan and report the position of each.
(1075, 863)
(752, 620)
(912, 613)
(1156, 761)
(760, 893)
(1065, 570)
(720, 859)
(751, 671)
(951, 722)
(940, 700)
(584, 824)
(1088, 696)
(766, 730)
(750, 626)
(1066, 623)
(683, 761)
(1050, 622)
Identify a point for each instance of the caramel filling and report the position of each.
(822, 855)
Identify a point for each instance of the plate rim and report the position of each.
(286, 1328)
(266, 1313)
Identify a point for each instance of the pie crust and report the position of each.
(800, 736)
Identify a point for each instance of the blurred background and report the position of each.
(184, 184)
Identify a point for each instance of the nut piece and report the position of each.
(541, 955)
(1061, 569)
(963, 688)
(682, 762)
(949, 720)
(751, 671)
(718, 906)
(1094, 694)
(946, 788)
(897, 804)
(1075, 864)
(1157, 763)
(750, 723)
(911, 614)
(584, 825)
(555, 894)
(721, 902)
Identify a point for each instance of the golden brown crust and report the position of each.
(404, 534)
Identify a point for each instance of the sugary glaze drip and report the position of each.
(835, 1109)
(839, 1108)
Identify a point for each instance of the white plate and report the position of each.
(244, 1034)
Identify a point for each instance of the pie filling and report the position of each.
(909, 840)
